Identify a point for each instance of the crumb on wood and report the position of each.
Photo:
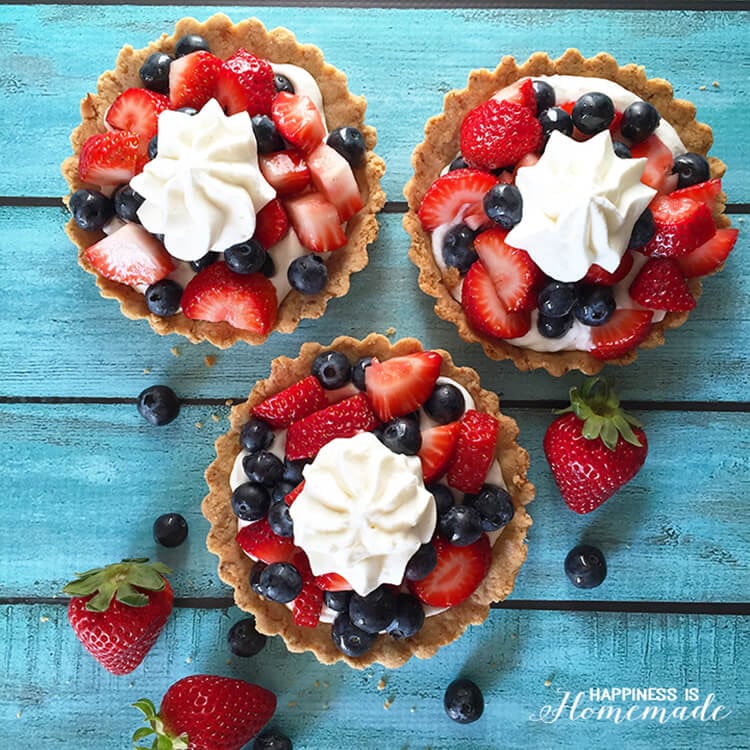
(701, 88)
(146, 370)
(198, 425)
(292, 704)
(210, 360)
(175, 351)
(390, 331)
(388, 703)
(316, 684)
(215, 417)
(326, 684)
(715, 84)
(44, 618)
(381, 683)
(189, 660)
(228, 402)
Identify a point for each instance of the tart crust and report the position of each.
(441, 144)
(340, 107)
(509, 550)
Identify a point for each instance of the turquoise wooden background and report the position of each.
(83, 477)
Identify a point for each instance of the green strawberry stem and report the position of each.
(119, 581)
(597, 405)
(162, 740)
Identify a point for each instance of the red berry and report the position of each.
(709, 256)
(704, 192)
(137, 110)
(260, 542)
(316, 222)
(658, 171)
(298, 120)
(308, 604)
(255, 75)
(474, 452)
(682, 224)
(332, 582)
(271, 224)
(294, 494)
(660, 285)
(621, 333)
(438, 444)
(192, 79)
(285, 171)
(293, 403)
(333, 178)
(597, 275)
(112, 158)
(228, 91)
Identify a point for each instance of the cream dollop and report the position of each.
(363, 512)
(204, 188)
(580, 203)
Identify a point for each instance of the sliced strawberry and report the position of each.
(458, 573)
(614, 126)
(137, 110)
(228, 91)
(707, 257)
(515, 276)
(308, 604)
(660, 285)
(245, 301)
(333, 177)
(529, 160)
(476, 219)
(260, 542)
(621, 333)
(597, 275)
(345, 419)
(111, 158)
(658, 171)
(293, 403)
(130, 256)
(256, 78)
(521, 93)
(294, 494)
(400, 385)
(332, 582)
(438, 444)
(704, 192)
(484, 311)
(192, 79)
(298, 120)
(271, 224)
(316, 222)
(475, 451)
(449, 194)
(682, 224)
(286, 171)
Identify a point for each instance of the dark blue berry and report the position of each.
(503, 205)
(349, 143)
(556, 299)
(585, 566)
(263, 467)
(256, 435)
(463, 701)
(281, 582)
(554, 328)
(358, 372)
(691, 169)
(444, 500)
(461, 525)
(639, 120)
(338, 601)
(127, 202)
(155, 72)
(190, 43)
(282, 83)
(553, 119)
(243, 638)
(373, 612)
(421, 563)
(250, 501)
(153, 147)
(187, 111)
(91, 209)
(307, 274)
(593, 112)
(494, 505)
(293, 470)
(267, 136)
(255, 573)
(269, 267)
(245, 257)
(281, 490)
(272, 740)
(170, 530)
(204, 261)
(332, 369)
(408, 617)
(445, 404)
(163, 297)
(643, 230)
(458, 248)
(158, 404)
(402, 435)
(349, 639)
(621, 150)
(279, 519)
(544, 95)
(458, 163)
(595, 304)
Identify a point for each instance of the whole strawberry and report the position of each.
(594, 447)
(205, 712)
(117, 612)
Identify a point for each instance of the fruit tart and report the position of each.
(562, 212)
(223, 182)
(368, 503)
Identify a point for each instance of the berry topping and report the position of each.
(111, 158)
(250, 501)
(158, 404)
(309, 602)
(192, 79)
(228, 91)
(155, 72)
(204, 261)
(358, 372)
(503, 204)
(293, 403)
(709, 256)
(475, 450)
(554, 328)
(332, 582)
(402, 435)
(170, 530)
(592, 113)
(373, 612)
(243, 638)
(255, 77)
(660, 285)
(245, 257)
(557, 299)
(349, 639)
(421, 563)
(494, 505)
(271, 224)
(657, 173)
(332, 369)
(263, 467)
(691, 169)
(332, 176)
(703, 192)
(408, 617)
(316, 222)
(624, 331)
(458, 248)
(126, 203)
(681, 225)
(595, 304)
(521, 92)
(256, 435)
(585, 566)
(190, 43)
(281, 582)
(266, 135)
(307, 274)
(443, 497)
(438, 444)
(544, 95)
(463, 701)
(259, 541)
(137, 110)
(555, 118)
(285, 171)
(621, 150)
(272, 740)
(445, 403)
(255, 571)
(461, 525)
(597, 275)
(639, 120)
(282, 83)
(349, 143)
(91, 209)
(338, 601)
(279, 519)
(298, 120)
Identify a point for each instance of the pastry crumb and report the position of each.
(701, 88)
(44, 618)
(19, 714)
(388, 703)
(381, 684)
(316, 684)
(326, 684)
(228, 402)
(175, 351)
(146, 370)
(215, 417)
(198, 425)
(715, 84)
(390, 331)
(292, 704)
(210, 360)
(189, 660)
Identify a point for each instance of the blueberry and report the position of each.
(338, 601)
(494, 505)
(170, 530)
(421, 563)
(153, 147)
(307, 274)
(263, 467)
(272, 740)
(544, 95)
(269, 267)
(556, 299)
(643, 230)
(243, 639)
(256, 435)
(373, 612)
(127, 202)
(463, 701)
(267, 136)
(554, 328)
(155, 72)
(204, 261)
(358, 372)
(158, 404)
(91, 209)
(461, 525)
(593, 112)
(585, 566)
(458, 248)
(190, 43)
(250, 501)
(402, 435)
(445, 404)
(349, 639)
(691, 169)
(621, 150)
(163, 297)
(245, 257)
(408, 617)
(255, 573)
(595, 304)
(639, 120)
(503, 204)
(349, 143)
(293, 470)
(279, 519)
(282, 83)
(443, 498)
(332, 369)
(458, 163)
(281, 490)
(555, 118)
(187, 111)
(280, 582)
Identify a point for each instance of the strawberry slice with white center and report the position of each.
(260, 542)
(332, 582)
(137, 110)
(474, 452)
(295, 402)
(660, 285)
(271, 224)
(658, 171)
(520, 92)
(333, 177)
(621, 333)
(682, 224)
(192, 79)
(400, 385)
(112, 158)
(484, 311)
(256, 78)
(703, 192)
(130, 256)
(458, 573)
(709, 256)
(298, 120)
(438, 444)
(245, 301)
(461, 189)
(316, 222)
(285, 171)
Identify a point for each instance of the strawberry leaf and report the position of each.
(126, 594)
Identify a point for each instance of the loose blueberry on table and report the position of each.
(463, 701)
(585, 566)
(243, 638)
(170, 530)
(158, 404)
